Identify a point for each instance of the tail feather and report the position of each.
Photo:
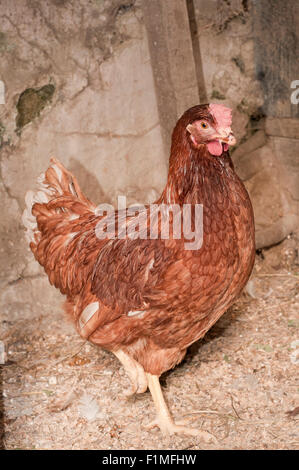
(57, 219)
(58, 191)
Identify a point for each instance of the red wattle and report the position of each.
(215, 147)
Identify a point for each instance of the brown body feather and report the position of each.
(177, 294)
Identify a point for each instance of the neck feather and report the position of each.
(192, 174)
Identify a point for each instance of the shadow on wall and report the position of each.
(88, 182)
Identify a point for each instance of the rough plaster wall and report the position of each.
(101, 121)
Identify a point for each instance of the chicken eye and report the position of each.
(204, 125)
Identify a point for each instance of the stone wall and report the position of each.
(249, 50)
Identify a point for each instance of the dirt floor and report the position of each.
(238, 383)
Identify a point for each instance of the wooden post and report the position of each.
(172, 56)
(276, 36)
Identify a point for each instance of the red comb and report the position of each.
(221, 114)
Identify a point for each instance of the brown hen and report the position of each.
(148, 298)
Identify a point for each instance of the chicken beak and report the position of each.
(226, 136)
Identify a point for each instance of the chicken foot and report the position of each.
(135, 372)
(164, 420)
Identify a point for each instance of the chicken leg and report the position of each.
(135, 372)
(164, 420)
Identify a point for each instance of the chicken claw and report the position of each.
(169, 427)
(164, 420)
